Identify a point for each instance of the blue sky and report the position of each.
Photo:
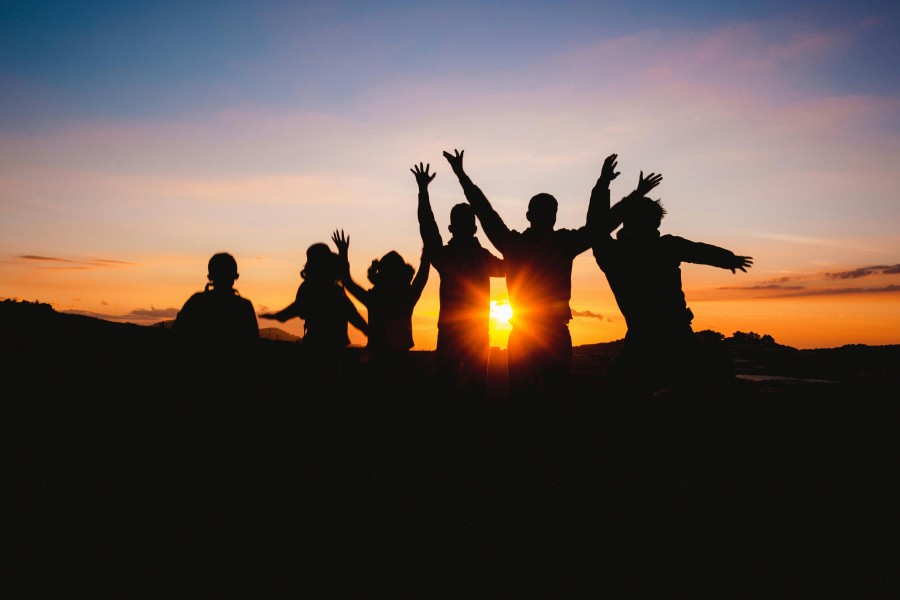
(66, 60)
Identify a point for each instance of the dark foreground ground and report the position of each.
(135, 469)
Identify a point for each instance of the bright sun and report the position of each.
(501, 312)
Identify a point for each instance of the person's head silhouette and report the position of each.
(462, 221)
(542, 212)
(391, 271)
(643, 215)
(321, 264)
(222, 272)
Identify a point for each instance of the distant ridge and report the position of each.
(266, 333)
(278, 335)
(34, 331)
(42, 316)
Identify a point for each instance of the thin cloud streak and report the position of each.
(78, 265)
(43, 258)
(588, 314)
(865, 272)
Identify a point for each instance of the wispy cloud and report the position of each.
(73, 264)
(109, 262)
(865, 272)
(43, 258)
(589, 314)
(803, 285)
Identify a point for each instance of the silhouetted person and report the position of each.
(218, 319)
(322, 304)
(539, 280)
(465, 293)
(390, 301)
(643, 270)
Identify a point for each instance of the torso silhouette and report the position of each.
(326, 310)
(466, 269)
(390, 318)
(539, 273)
(645, 276)
(538, 262)
(218, 320)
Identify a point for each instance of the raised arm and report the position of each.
(493, 225)
(598, 207)
(431, 235)
(343, 245)
(421, 278)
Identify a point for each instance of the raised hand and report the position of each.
(609, 169)
(423, 178)
(646, 184)
(342, 242)
(743, 263)
(456, 161)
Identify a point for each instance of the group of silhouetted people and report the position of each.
(641, 265)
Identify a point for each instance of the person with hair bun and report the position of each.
(218, 318)
(396, 288)
(322, 304)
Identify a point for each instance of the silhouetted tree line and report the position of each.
(739, 337)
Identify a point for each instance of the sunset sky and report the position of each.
(139, 138)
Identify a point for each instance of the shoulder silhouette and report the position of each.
(218, 318)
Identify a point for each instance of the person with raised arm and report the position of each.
(466, 269)
(538, 278)
(322, 303)
(643, 269)
(390, 301)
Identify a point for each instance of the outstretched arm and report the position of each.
(707, 254)
(289, 312)
(493, 225)
(421, 278)
(343, 245)
(431, 235)
(282, 315)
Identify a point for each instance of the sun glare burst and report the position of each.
(501, 313)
